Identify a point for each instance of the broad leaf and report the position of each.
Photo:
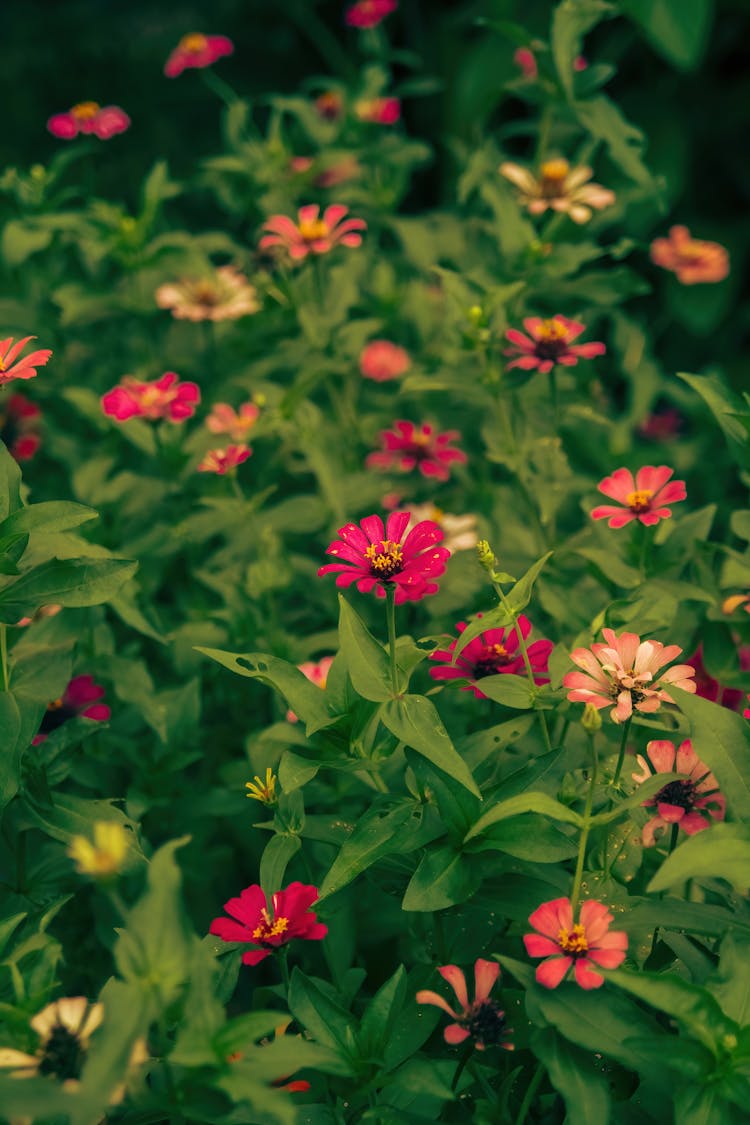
(721, 739)
(516, 600)
(366, 659)
(523, 803)
(416, 723)
(722, 851)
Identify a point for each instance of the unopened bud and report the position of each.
(475, 314)
(591, 720)
(486, 555)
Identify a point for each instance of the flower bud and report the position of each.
(486, 555)
(591, 720)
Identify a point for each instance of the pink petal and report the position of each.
(661, 755)
(457, 981)
(427, 996)
(585, 977)
(595, 919)
(618, 486)
(455, 1034)
(551, 972)
(551, 917)
(538, 946)
(485, 975)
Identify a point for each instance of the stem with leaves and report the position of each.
(390, 613)
(621, 755)
(525, 654)
(575, 894)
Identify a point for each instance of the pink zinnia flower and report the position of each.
(692, 802)
(163, 398)
(564, 943)
(252, 922)
(81, 697)
(236, 424)
(624, 674)
(482, 1020)
(382, 360)
(197, 50)
(379, 111)
(223, 461)
(19, 427)
(369, 13)
(643, 497)
(407, 447)
(312, 234)
(525, 60)
(664, 424)
(692, 260)
(709, 688)
(549, 342)
(492, 653)
(89, 118)
(11, 367)
(316, 672)
(374, 555)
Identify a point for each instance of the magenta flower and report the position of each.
(622, 674)
(81, 697)
(709, 688)
(692, 260)
(481, 1020)
(316, 671)
(11, 367)
(691, 803)
(373, 555)
(197, 50)
(312, 234)
(664, 424)
(378, 111)
(492, 653)
(549, 342)
(163, 398)
(382, 360)
(223, 461)
(369, 13)
(89, 118)
(525, 60)
(252, 922)
(407, 447)
(20, 423)
(584, 944)
(643, 497)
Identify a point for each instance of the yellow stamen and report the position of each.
(84, 111)
(268, 929)
(385, 558)
(639, 501)
(553, 175)
(193, 43)
(573, 941)
(264, 791)
(55, 705)
(311, 231)
(551, 330)
(734, 602)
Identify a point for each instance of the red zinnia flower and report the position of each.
(312, 234)
(89, 117)
(197, 50)
(223, 461)
(549, 342)
(692, 260)
(379, 111)
(582, 944)
(407, 447)
(482, 1020)
(369, 13)
(709, 688)
(80, 697)
(24, 368)
(690, 802)
(252, 922)
(643, 497)
(19, 427)
(492, 653)
(373, 555)
(162, 398)
(663, 424)
(382, 360)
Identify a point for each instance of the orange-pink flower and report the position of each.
(378, 111)
(236, 424)
(692, 260)
(196, 50)
(312, 234)
(549, 342)
(582, 944)
(163, 398)
(89, 118)
(691, 803)
(11, 367)
(223, 461)
(482, 1019)
(643, 498)
(382, 360)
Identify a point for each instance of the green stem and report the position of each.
(545, 127)
(673, 837)
(530, 1094)
(465, 1056)
(390, 613)
(621, 756)
(4, 655)
(644, 555)
(575, 894)
(218, 86)
(236, 487)
(527, 663)
(284, 966)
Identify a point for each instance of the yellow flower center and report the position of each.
(550, 330)
(205, 293)
(311, 231)
(573, 941)
(268, 929)
(84, 111)
(385, 558)
(639, 501)
(553, 174)
(193, 43)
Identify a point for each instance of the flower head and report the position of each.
(378, 111)
(90, 119)
(373, 556)
(316, 671)
(223, 461)
(709, 688)
(643, 498)
(663, 424)
(525, 60)
(312, 234)
(560, 188)
(263, 791)
(341, 172)
(481, 1020)
(563, 943)
(163, 398)
(382, 360)
(549, 342)
(236, 424)
(106, 855)
(369, 13)
(407, 447)
(197, 50)
(81, 697)
(20, 421)
(691, 803)
(11, 367)
(252, 922)
(493, 653)
(226, 295)
(692, 260)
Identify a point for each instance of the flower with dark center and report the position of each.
(81, 697)
(252, 922)
(197, 50)
(482, 1020)
(407, 447)
(493, 653)
(691, 803)
(559, 188)
(643, 497)
(549, 343)
(566, 944)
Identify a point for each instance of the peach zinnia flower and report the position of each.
(691, 803)
(369, 13)
(223, 461)
(378, 111)
(692, 260)
(584, 944)
(162, 398)
(407, 447)
(482, 1020)
(226, 295)
(382, 360)
(549, 342)
(236, 424)
(89, 118)
(560, 188)
(11, 367)
(312, 234)
(197, 50)
(643, 497)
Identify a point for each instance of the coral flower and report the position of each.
(692, 260)
(316, 672)
(11, 367)
(560, 188)
(369, 13)
(481, 1020)
(379, 111)
(81, 697)
(382, 360)
(407, 447)
(226, 295)
(223, 461)
(89, 118)
(691, 803)
(624, 674)
(236, 424)
(584, 944)
(197, 50)
(374, 555)
(252, 922)
(163, 398)
(525, 60)
(709, 688)
(643, 497)
(492, 653)
(19, 427)
(549, 342)
(312, 234)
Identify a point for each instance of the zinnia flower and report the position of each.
(226, 295)
(263, 790)
(223, 461)
(106, 855)
(525, 60)
(559, 187)
(643, 497)
(663, 424)
(378, 111)
(81, 697)
(549, 342)
(369, 13)
(709, 688)
(584, 944)
(382, 360)
(460, 532)
(163, 398)
(407, 447)
(19, 427)
(483, 1020)
(89, 118)
(252, 922)
(316, 672)
(236, 424)
(348, 168)
(692, 260)
(623, 672)
(493, 653)
(691, 802)
(374, 555)
(312, 234)
(11, 367)
(329, 105)
(197, 50)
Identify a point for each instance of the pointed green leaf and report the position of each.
(273, 863)
(570, 22)
(722, 851)
(677, 29)
(67, 582)
(523, 803)
(721, 739)
(378, 833)
(443, 878)
(366, 659)
(501, 617)
(415, 722)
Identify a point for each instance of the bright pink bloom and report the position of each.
(223, 461)
(709, 688)
(373, 555)
(382, 360)
(19, 427)
(692, 260)
(622, 674)
(379, 111)
(369, 13)
(549, 342)
(644, 498)
(584, 944)
(252, 922)
(746, 712)
(482, 1020)
(316, 672)
(407, 447)
(197, 50)
(81, 697)
(163, 398)
(525, 60)
(691, 802)
(236, 424)
(24, 368)
(89, 118)
(312, 234)
(492, 653)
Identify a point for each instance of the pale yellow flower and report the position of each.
(263, 791)
(106, 855)
(560, 188)
(226, 295)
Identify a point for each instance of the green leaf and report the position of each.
(381, 1015)
(586, 1093)
(67, 582)
(724, 404)
(516, 600)
(443, 878)
(366, 660)
(524, 803)
(67, 815)
(722, 851)
(416, 723)
(378, 833)
(51, 515)
(570, 22)
(273, 863)
(625, 142)
(677, 29)
(511, 691)
(21, 239)
(690, 1004)
(690, 917)
(730, 985)
(721, 739)
(10, 483)
(526, 837)
(326, 1020)
(12, 748)
(203, 1014)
